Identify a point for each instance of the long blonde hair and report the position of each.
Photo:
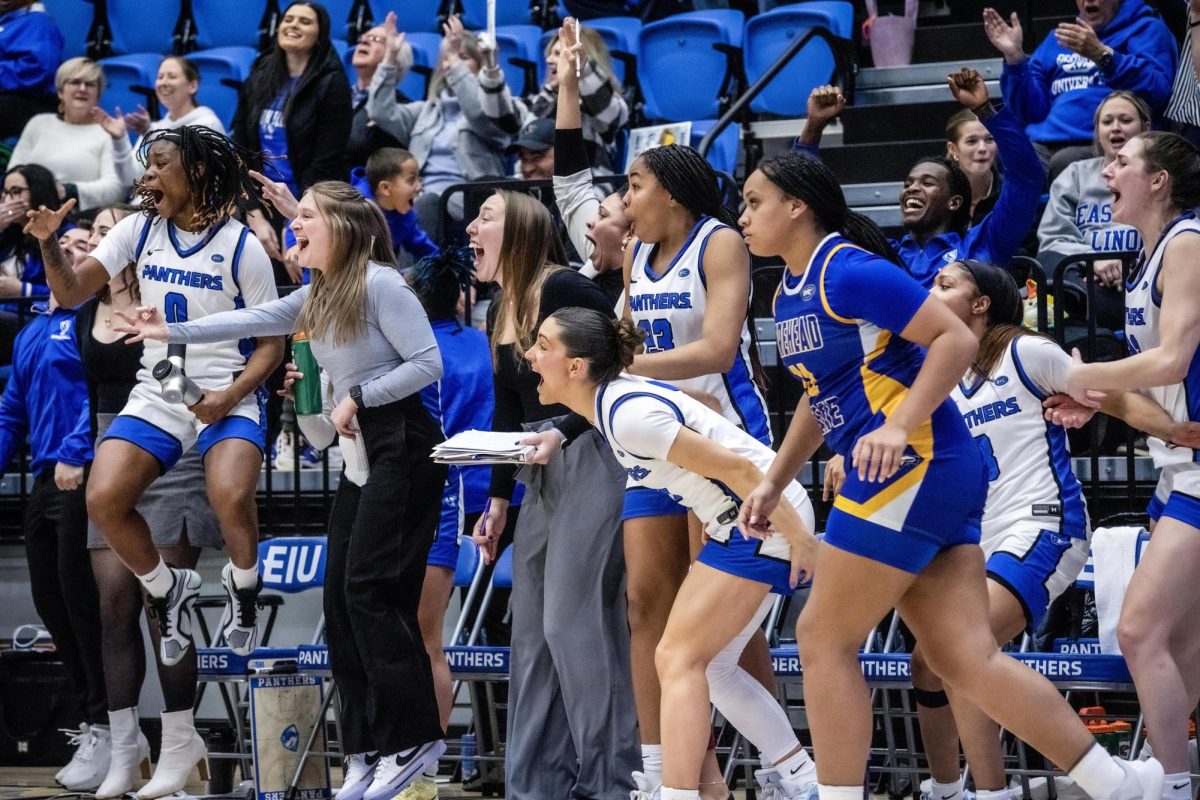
(531, 251)
(596, 49)
(336, 303)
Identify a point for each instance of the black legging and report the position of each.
(122, 647)
(64, 592)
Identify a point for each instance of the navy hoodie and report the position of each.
(46, 395)
(1056, 91)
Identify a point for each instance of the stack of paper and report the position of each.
(482, 447)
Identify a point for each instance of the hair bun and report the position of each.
(629, 339)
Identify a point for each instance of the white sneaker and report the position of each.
(645, 790)
(77, 739)
(358, 770)
(285, 452)
(239, 620)
(395, 772)
(1143, 779)
(174, 615)
(91, 762)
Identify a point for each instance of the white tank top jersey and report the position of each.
(189, 275)
(1027, 458)
(640, 419)
(1143, 305)
(670, 309)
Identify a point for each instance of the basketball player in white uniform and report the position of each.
(1155, 183)
(670, 442)
(192, 260)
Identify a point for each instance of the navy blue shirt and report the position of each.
(272, 134)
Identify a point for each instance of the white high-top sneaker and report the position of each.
(130, 754)
(92, 763)
(182, 750)
(77, 739)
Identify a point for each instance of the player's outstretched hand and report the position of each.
(146, 323)
(968, 87)
(44, 222)
(545, 445)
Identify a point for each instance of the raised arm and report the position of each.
(70, 285)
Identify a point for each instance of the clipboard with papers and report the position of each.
(483, 447)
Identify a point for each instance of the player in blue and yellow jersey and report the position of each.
(878, 358)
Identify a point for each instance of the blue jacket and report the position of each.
(33, 280)
(1056, 91)
(997, 236)
(46, 395)
(406, 231)
(31, 48)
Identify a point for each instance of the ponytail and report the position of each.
(862, 231)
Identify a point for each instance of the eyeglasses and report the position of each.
(14, 192)
(80, 83)
(367, 38)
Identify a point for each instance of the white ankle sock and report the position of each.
(244, 578)
(680, 794)
(841, 792)
(1097, 773)
(991, 794)
(652, 763)
(1177, 786)
(159, 580)
(946, 791)
(796, 771)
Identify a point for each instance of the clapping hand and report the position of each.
(1081, 38)
(1006, 37)
(113, 124)
(395, 39)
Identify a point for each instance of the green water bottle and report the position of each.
(308, 388)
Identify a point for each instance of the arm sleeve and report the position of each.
(872, 289)
(382, 109)
(498, 104)
(76, 448)
(1147, 67)
(577, 202)
(119, 247)
(1042, 365)
(1025, 89)
(106, 189)
(470, 99)
(14, 417)
(1005, 226)
(506, 417)
(603, 104)
(645, 426)
(1057, 232)
(275, 318)
(810, 150)
(403, 322)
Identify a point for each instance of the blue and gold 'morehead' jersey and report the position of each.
(837, 329)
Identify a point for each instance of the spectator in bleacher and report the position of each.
(295, 106)
(972, 146)
(605, 111)
(365, 136)
(45, 400)
(30, 50)
(22, 274)
(449, 133)
(935, 203)
(1078, 218)
(1184, 107)
(1113, 44)
(534, 149)
(1155, 181)
(176, 85)
(70, 143)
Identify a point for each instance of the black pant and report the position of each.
(64, 591)
(379, 538)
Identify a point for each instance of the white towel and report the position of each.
(1114, 551)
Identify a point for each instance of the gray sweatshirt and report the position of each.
(1078, 218)
(397, 356)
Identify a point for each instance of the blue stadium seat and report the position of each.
(137, 26)
(411, 15)
(723, 154)
(769, 34)
(520, 42)
(74, 20)
(688, 72)
(425, 48)
(228, 23)
(341, 26)
(508, 12)
(217, 65)
(122, 73)
(621, 36)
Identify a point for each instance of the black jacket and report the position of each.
(318, 123)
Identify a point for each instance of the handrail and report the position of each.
(841, 67)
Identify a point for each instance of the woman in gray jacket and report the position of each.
(451, 137)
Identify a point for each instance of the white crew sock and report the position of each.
(680, 794)
(1097, 773)
(158, 581)
(946, 791)
(841, 792)
(1177, 786)
(796, 771)
(991, 794)
(652, 763)
(244, 578)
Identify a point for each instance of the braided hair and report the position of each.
(690, 180)
(440, 280)
(216, 170)
(805, 178)
(960, 185)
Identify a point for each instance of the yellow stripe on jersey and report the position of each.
(821, 283)
(889, 495)
(885, 394)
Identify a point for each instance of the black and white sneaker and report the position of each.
(239, 620)
(395, 772)
(358, 770)
(174, 615)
